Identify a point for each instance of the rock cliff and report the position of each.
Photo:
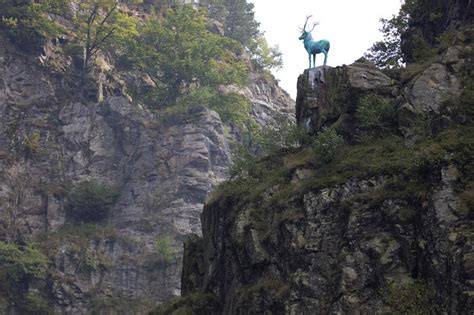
(162, 168)
(385, 226)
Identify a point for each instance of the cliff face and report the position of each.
(161, 167)
(431, 18)
(383, 226)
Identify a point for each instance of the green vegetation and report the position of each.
(409, 171)
(194, 303)
(240, 23)
(119, 304)
(187, 64)
(183, 63)
(164, 247)
(376, 113)
(19, 266)
(326, 143)
(266, 286)
(32, 143)
(91, 201)
(163, 253)
(99, 24)
(26, 22)
(256, 142)
(263, 56)
(36, 303)
(387, 53)
(411, 298)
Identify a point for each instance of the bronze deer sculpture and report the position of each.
(314, 47)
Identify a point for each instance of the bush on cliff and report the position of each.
(26, 22)
(326, 143)
(375, 112)
(20, 265)
(91, 201)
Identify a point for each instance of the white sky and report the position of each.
(352, 26)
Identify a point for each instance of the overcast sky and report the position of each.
(352, 26)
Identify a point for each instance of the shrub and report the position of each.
(162, 255)
(91, 201)
(411, 298)
(27, 24)
(375, 112)
(257, 142)
(35, 303)
(32, 143)
(18, 266)
(326, 143)
(164, 247)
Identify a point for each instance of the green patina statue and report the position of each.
(314, 47)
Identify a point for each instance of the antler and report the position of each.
(307, 18)
(314, 25)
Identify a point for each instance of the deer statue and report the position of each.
(314, 47)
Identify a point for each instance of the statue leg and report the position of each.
(309, 55)
(314, 60)
(325, 56)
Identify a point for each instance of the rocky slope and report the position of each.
(162, 168)
(385, 226)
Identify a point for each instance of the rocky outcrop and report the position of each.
(163, 168)
(328, 96)
(385, 226)
(328, 252)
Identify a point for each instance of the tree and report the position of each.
(186, 64)
(91, 201)
(27, 22)
(240, 23)
(99, 24)
(264, 56)
(19, 266)
(215, 8)
(387, 53)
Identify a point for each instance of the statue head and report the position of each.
(303, 35)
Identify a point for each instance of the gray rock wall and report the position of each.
(162, 166)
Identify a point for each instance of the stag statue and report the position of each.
(314, 47)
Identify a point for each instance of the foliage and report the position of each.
(100, 24)
(387, 156)
(267, 285)
(83, 242)
(164, 247)
(256, 142)
(19, 265)
(184, 61)
(232, 108)
(32, 143)
(118, 303)
(35, 303)
(240, 23)
(375, 112)
(26, 22)
(163, 253)
(387, 53)
(326, 143)
(411, 298)
(91, 201)
(243, 161)
(193, 303)
(264, 56)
